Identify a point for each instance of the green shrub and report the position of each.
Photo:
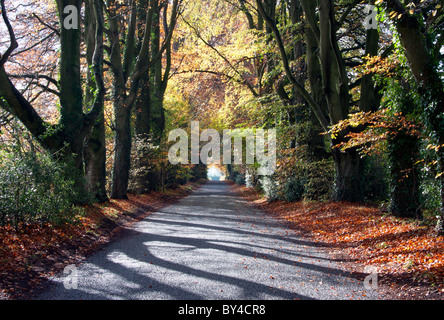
(298, 173)
(294, 190)
(239, 178)
(319, 180)
(34, 188)
(151, 171)
(374, 181)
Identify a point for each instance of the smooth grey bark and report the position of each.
(65, 138)
(335, 86)
(95, 148)
(126, 86)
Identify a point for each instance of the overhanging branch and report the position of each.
(14, 44)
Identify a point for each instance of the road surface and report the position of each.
(208, 246)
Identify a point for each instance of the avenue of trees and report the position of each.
(355, 90)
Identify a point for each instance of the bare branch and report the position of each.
(14, 44)
(34, 45)
(55, 30)
(35, 76)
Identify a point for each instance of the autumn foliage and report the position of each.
(402, 251)
(30, 256)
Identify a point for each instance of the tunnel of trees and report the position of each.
(90, 90)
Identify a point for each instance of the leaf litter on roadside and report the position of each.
(400, 249)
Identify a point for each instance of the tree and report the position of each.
(419, 27)
(66, 137)
(95, 148)
(331, 69)
(150, 113)
(127, 73)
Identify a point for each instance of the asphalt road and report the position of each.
(208, 246)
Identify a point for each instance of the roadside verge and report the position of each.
(36, 252)
(408, 256)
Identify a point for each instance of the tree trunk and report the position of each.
(347, 175)
(122, 151)
(95, 162)
(131, 70)
(122, 105)
(149, 110)
(71, 98)
(418, 50)
(317, 149)
(403, 152)
(156, 81)
(95, 148)
(369, 97)
(335, 87)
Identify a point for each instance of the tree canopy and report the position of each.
(354, 90)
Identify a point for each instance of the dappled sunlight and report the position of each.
(399, 248)
(128, 130)
(186, 251)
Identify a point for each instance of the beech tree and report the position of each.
(67, 136)
(95, 148)
(149, 112)
(329, 79)
(128, 70)
(419, 27)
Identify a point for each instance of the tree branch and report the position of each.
(17, 105)
(130, 40)
(142, 65)
(34, 45)
(315, 107)
(244, 81)
(14, 44)
(35, 76)
(55, 30)
(216, 73)
(97, 60)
